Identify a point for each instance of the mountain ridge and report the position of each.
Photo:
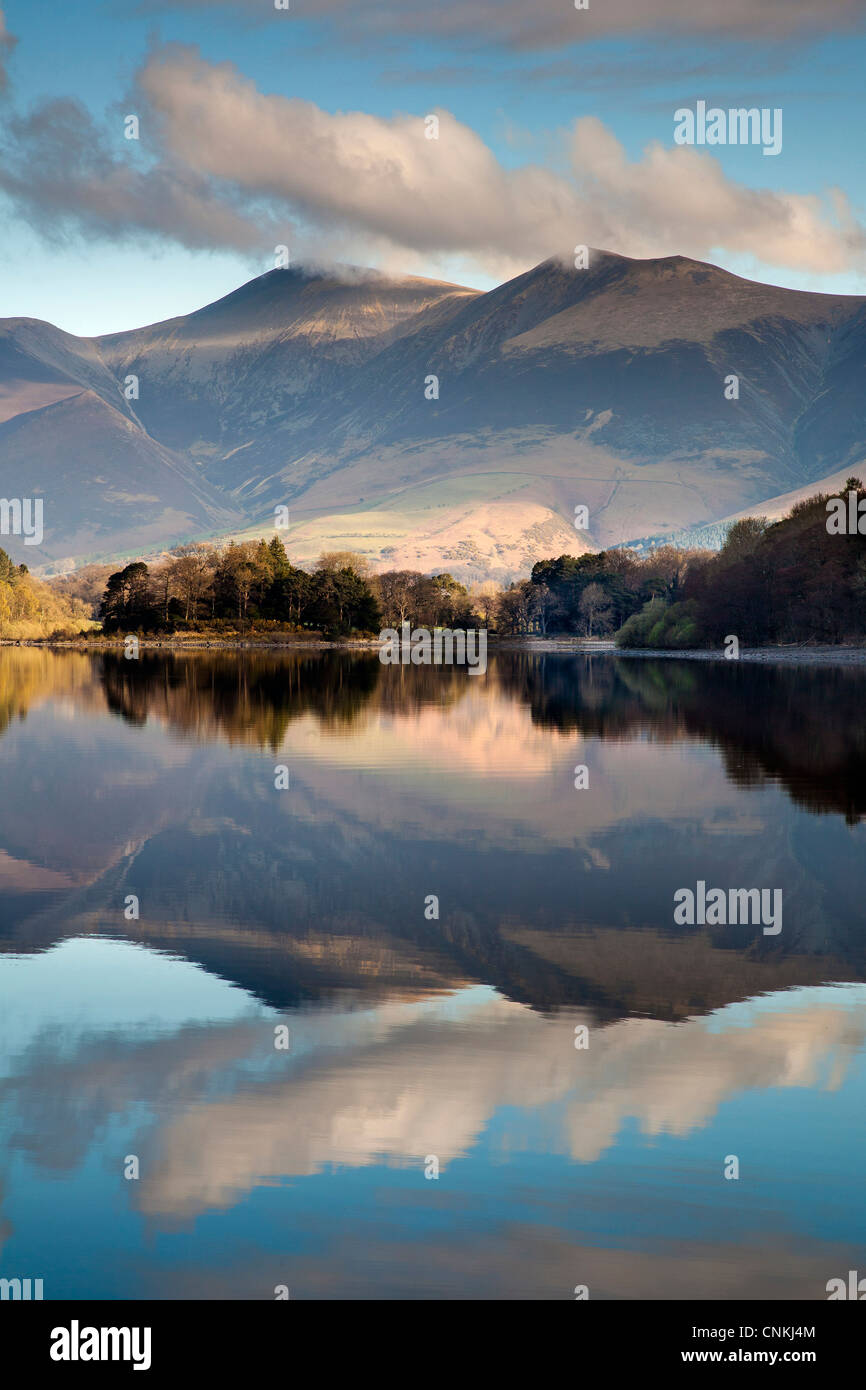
(602, 388)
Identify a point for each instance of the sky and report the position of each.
(309, 128)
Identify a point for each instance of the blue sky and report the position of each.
(97, 244)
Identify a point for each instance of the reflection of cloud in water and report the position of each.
(391, 1084)
(429, 1086)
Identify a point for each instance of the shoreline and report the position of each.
(843, 654)
(806, 656)
(192, 644)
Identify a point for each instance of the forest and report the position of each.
(254, 586)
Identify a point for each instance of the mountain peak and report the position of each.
(299, 295)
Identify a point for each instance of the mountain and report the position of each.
(271, 356)
(602, 388)
(68, 435)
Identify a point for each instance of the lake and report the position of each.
(330, 979)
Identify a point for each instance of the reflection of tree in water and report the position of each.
(29, 675)
(595, 695)
(244, 697)
(800, 725)
(410, 688)
(253, 697)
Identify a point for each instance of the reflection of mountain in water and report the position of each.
(414, 781)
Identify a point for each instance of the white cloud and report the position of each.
(221, 164)
(379, 183)
(679, 200)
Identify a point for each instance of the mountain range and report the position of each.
(433, 426)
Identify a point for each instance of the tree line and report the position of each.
(793, 580)
(255, 585)
(590, 595)
(238, 586)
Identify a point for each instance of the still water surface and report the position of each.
(413, 1038)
